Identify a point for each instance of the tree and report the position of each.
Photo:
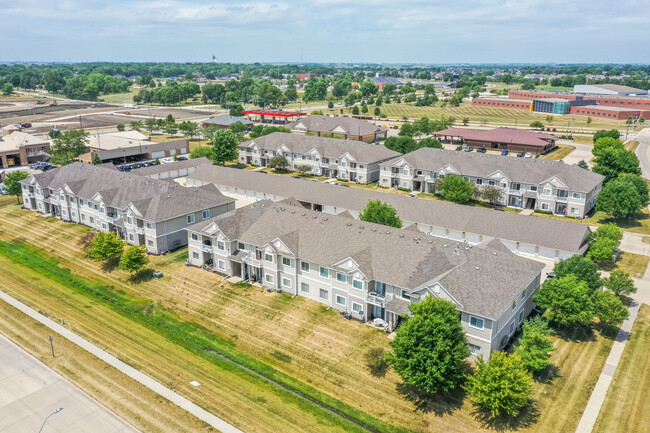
(368, 88)
(170, 128)
(7, 89)
(567, 301)
(430, 142)
(584, 269)
(406, 130)
(303, 168)
(609, 231)
(189, 129)
(137, 125)
(151, 124)
(106, 247)
(589, 120)
(430, 346)
(355, 110)
(619, 283)
(96, 160)
(134, 259)
(364, 109)
(492, 194)
(606, 143)
(537, 125)
(68, 145)
(501, 385)
(120, 127)
(379, 212)
(602, 250)
(457, 189)
(330, 104)
(608, 308)
(535, 345)
(236, 110)
(12, 183)
(619, 199)
(377, 111)
(613, 133)
(224, 146)
(583, 164)
(239, 129)
(640, 184)
(279, 162)
(202, 152)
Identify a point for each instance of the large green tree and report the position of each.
(12, 183)
(68, 145)
(608, 308)
(134, 259)
(457, 189)
(612, 133)
(606, 143)
(611, 162)
(535, 345)
(620, 199)
(279, 162)
(224, 146)
(620, 283)
(106, 247)
(602, 250)
(501, 385)
(584, 269)
(567, 301)
(379, 212)
(430, 347)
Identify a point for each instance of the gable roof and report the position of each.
(327, 147)
(562, 235)
(525, 170)
(500, 135)
(226, 120)
(18, 139)
(350, 125)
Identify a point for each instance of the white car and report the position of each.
(528, 155)
(166, 160)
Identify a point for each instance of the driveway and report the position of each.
(582, 152)
(30, 391)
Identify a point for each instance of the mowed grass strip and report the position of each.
(625, 409)
(190, 336)
(133, 402)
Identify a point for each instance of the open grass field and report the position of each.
(626, 405)
(584, 139)
(560, 152)
(120, 98)
(297, 340)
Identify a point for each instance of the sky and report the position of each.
(349, 31)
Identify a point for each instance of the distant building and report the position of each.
(138, 151)
(20, 148)
(345, 127)
(381, 81)
(608, 89)
(224, 121)
(513, 140)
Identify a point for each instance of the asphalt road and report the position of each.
(30, 391)
(643, 151)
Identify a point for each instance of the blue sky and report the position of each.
(472, 31)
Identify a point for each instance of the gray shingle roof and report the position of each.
(550, 233)
(394, 256)
(156, 200)
(351, 126)
(142, 148)
(227, 120)
(176, 165)
(327, 147)
(524, 170)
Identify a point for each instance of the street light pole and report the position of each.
(48, 417)
(52, 344)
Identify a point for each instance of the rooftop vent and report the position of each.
(349, 224)
(401, 236)
(374, 229)
(387, 233)
(477, 268)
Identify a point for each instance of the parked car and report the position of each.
(468, 148)
(37, 165)
(528, 155)
(166, 160)
(149, 163)
(520, 155)
(481, 150)
(550, 275)
(411, 195)
(48, 167)
(504, 153)
(182, 158)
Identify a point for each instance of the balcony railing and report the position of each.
(110, 220)
(139, 230)
(252, 262)
(516, 191)
(377, 299)
(206, 248)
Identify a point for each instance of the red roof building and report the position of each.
(513, 140)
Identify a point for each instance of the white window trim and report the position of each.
(354, 281)
(302, 262)
(478, 318)
(360, 311)
(286, 280)
(344, 300)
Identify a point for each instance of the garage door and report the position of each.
(527, 249)
(160, 154)
(183, 150)
(546, 253)
(172, 152)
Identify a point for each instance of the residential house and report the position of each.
(552, 186)
(356, 161)
(370, 271)
(343, 127)
(143, 211)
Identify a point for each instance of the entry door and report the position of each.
(379, 312)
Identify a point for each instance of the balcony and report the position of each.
(394, 175)
(515, 191)
(110, 220)
(562, 199)
(139, 230)
(252, 262)
(206, 248)
(377, 299)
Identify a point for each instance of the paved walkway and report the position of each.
(30, 391)
(599, 392)
(138, 376)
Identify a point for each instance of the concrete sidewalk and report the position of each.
(140, 377)
(590, 415)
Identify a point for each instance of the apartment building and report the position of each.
(143, 211)
(552, 186)
(356, 161)
(370, 271)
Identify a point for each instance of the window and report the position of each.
(131, 237)
(241, 246)
(304, 287)
(83, 217)
(544, 206)
(268, 257)
(474, 349)
(340, 300)
(562, 193)
(324, 294)
(533, 187)
(71, 199)
(92, 220)
(577, 195)
(406, 172)
(304, 266)
(546, 191)
(81, 202)
(521, 316)
(148, 225)
(491, 182)
(129, 220)
(514, 304)
(574, 210)
(64, 212)
(476, 322)
(73, 214)
(205, 214)
(195, 255)
(286, 282)
(286, 261)
(512, 327)
(357, 308)
(385, 168)
(341, 278)
(516, 186)
(268, 278)
(221, 265)
(150, 243)
(324, 272)
(190, 219)
(479, 181)
(357, 284)
(405, 184)
(343, 164)
(221, 245)
(523, 295)
(104, 226)
(195, 237)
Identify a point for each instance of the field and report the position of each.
(295, 339)
(626, 405)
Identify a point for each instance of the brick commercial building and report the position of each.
(513, 140)
(20, 148)
(616, 113)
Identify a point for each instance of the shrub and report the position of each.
(376, 361)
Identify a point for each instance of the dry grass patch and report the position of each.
(631, 263)
(631, 145)
(560, 152)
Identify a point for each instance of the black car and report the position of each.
(468, 149)
(181, 158)
(481, 150)
(521, 154)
